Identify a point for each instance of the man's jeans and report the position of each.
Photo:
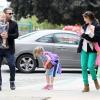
(11, 63)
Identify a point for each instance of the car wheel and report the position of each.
(25, 63)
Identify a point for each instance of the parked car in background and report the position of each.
(62, 42)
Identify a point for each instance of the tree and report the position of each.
(55, 11)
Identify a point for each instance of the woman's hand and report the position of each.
(84, 35)
(91, 28)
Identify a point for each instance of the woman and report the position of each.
(88, 52)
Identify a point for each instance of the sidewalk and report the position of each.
(62, 91)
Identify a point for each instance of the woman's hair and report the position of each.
(89, 14)
(37, 51)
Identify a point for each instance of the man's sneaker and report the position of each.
(12, 85)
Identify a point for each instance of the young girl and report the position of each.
(3, 28)
(51, 64)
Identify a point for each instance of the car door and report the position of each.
(66, 47)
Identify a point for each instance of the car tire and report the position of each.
(26, 63)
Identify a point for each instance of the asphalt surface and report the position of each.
(67, 86)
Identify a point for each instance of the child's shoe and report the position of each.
(50, 87)
(46, 87)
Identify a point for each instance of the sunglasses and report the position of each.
(10, 13)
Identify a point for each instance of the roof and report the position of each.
(37, 34)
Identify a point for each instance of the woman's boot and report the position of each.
(86, 88)
(96, 84)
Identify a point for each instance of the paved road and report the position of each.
(29, 87)
(37, 80)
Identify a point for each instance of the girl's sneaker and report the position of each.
(50, 87)
(46, 87)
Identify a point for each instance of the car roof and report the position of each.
(46, 32)
(37, 34)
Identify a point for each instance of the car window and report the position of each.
(26, 35)
(46, 39)
(66, 38)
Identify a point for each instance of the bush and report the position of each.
(31, 24)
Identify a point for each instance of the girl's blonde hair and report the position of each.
(2, 16)
(37, 51)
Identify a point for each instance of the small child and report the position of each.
(51, 64)
(3, 28)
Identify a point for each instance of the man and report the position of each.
(8, 53)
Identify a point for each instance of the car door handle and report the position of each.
(61, 47)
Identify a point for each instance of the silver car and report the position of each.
(63, 43)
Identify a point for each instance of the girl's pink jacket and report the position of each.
(97, 47)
